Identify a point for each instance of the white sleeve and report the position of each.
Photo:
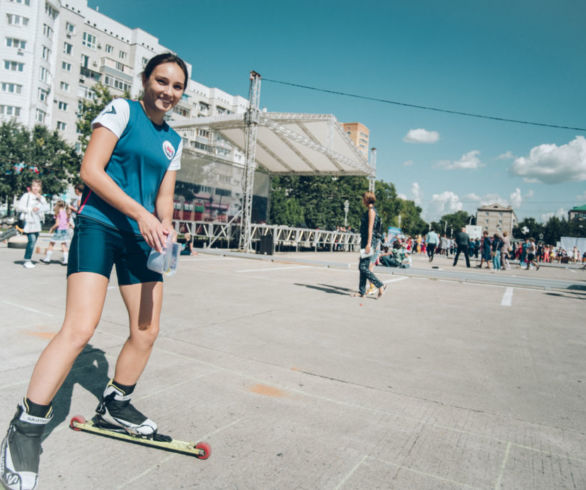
(176, 162)
(114, 116)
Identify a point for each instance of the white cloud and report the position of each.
(472, 197)
(417, 193)
(552, 164)
(508, 155)
(530, 193)
(515, 199)
(445, 203)
(403, 196)
(560, 213)
(421, 136)
(467, 161)
(408, 163)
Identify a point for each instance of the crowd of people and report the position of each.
(497, 251)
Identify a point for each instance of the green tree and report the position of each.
(40, 153)
(453, 221)
(529, 228)
(318, 202)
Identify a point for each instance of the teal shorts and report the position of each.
(97, 247)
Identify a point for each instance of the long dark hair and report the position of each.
(165, 58)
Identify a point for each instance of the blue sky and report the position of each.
(521, 59)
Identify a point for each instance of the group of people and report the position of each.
(32, 208)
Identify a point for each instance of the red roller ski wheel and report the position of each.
(79, 419)
(205, 447)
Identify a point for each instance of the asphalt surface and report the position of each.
(470, 379)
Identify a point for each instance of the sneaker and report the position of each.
(371, 290)
(21, 449)
(28, 265)
(116, 410)
(46, 260)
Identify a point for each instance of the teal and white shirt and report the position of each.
(143, 154)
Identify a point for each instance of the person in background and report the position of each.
(505, 249)
(61, 231)
(486, 252)
(531, 251)
(188, 245)
(370, 232)
(32, 207)
(432, 241)
(496, 246)
(463, 243)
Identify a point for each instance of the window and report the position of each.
(144, 62)
(25, 2)
(61, 126)
(64, 86)
(13, 65)
(89, 40)
(43, 95)
(85, 60)
(204, 133)
(48, 31)
(119, 66)
(109, 48)
(9, 110)
(50, 11)
(12, 42)
(122, 55)
(46, 53)
(69, 28)
(67, 48)
(11, 88)
(65, 66)
(17, 20)
(44, 75)
(40, 116)
(62, 106)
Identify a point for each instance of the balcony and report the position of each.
(87, 72)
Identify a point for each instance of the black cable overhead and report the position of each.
(423, 107)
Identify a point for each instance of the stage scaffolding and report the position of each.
(282, 144)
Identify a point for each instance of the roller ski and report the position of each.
(117, 418)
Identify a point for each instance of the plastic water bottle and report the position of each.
(165, 262)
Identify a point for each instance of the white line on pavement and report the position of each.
(26, 308)
(276, 268)
(352, 471)
(396, 279)
(507, 297)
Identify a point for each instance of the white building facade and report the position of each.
(53, 52)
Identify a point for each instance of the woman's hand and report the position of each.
(153, 231)
(367, 249)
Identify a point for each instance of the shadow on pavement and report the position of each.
(326, 288)
(90, 371)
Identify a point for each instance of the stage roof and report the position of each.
(289, 143)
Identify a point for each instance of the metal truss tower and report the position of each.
(251, 120)
(372, 177)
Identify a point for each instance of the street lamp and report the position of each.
(346, 207)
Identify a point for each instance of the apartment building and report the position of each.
(53, 52)
(496, 218)
(359, 134)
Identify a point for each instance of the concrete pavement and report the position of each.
(443, 383)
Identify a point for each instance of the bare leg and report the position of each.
(86, 293)
(143, 302)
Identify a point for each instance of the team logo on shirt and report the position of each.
(168, 149)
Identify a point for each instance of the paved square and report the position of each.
(446, 382)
